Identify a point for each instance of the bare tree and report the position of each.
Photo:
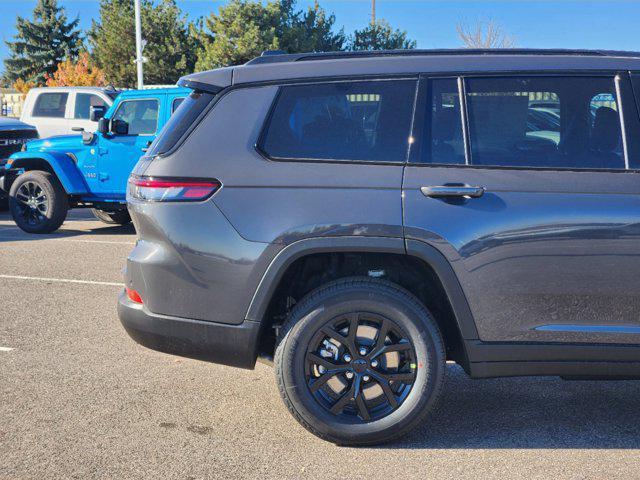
(484, 34)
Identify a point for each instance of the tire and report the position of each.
(121, 217)
(365, 421)
(49, 206)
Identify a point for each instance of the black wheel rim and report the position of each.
(360, 367)
(32, 203)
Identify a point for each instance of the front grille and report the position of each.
(11, 141)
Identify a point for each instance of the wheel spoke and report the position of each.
(386, 388)
(331, 333)
(342, 402)
(353, 330)
(382, 335)
(361, 403)
(318, 360)
(394, 347)
(321, 381)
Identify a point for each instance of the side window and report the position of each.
(52, 105)
(141, 115)
(84, 101)
(443, 128)
(352, 121)
(176, 103)
(549, 122)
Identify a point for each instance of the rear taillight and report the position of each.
(158, 189)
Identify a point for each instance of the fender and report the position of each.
(301, 248)
(421, 250)
(61, 164)
(443, 269)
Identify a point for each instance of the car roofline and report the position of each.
(282, 57)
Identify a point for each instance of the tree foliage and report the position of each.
(170, 48)
(22, 86)
(380, 36)
(41, 43)
(243, 29)
(76, 73)
(484, 34)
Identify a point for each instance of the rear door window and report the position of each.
(443, 132)
(547, 122)
(351, 121)
(51, 104)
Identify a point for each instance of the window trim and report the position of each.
(155, 132)
(258, 146)
(615, 76)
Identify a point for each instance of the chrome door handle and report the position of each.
(452, 191)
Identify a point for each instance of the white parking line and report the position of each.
(5, 349)
(61, 280)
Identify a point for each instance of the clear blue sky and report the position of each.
(541, 23)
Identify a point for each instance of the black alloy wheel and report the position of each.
(360, 361)
(360, 366)
(38, 202)
(32, 203)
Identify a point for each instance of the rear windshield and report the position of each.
(180, 121)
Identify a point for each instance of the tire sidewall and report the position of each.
(429, 357)
(57, 205)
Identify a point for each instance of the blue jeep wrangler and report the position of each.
(88, 170)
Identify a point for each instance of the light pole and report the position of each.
(139, 58)
(373, 12)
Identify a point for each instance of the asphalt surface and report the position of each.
(79, 399)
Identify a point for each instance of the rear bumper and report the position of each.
(234, 345)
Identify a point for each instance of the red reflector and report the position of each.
(171, 189)
(133, 295)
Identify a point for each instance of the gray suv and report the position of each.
(361, 219)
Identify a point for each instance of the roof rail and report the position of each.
(277, 56)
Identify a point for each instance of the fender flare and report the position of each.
(425, 252)
(61, 165)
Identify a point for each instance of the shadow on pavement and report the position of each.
(536, 413)
(9, 231)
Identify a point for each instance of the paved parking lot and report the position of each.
(79, 399)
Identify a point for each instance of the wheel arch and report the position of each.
(60, 165)
(260, 307)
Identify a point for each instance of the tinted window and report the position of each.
(176, 103)
(51, 104)
(185, 116)
(444, 124)
(342, 121)
(84, 101)
(141, 115)
(553, 122)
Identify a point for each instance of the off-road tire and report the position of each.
(52, 215)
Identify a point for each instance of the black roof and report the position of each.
(278, 56)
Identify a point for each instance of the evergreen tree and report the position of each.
(243, 29)
(41, 44)
(380, 36)
(170, 48)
